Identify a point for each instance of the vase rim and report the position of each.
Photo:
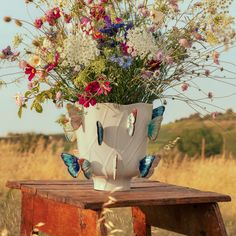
(118, 104)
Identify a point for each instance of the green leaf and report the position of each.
(38, 107)
(20, 111)
(27, 94)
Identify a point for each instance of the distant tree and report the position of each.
(191, 142)
(229, 111)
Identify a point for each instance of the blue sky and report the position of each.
(33, 122)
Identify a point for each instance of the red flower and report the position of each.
(98, 35)
(87, 101)
(67, 18)
(124, 48)
(97, 12)
(56, 13)
(53, 15)
(38, 23)
(118, 20)
(31, 71)
(184, 86)
(154, 65)
(92, 88)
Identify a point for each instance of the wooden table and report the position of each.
(73, 208)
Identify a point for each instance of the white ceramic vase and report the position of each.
(116, 160)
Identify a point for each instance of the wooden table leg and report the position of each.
(59, 219)
(140, 225)
(189, 219)
(26, 215)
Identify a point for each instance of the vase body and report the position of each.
(115, 161)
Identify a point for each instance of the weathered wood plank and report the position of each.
(16, 184)
(95, 199)
(144, 192)
(191, 219)
(62, 219)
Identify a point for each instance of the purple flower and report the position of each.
(7, 51)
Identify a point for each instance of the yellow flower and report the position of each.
(211, 38)
(35, 60)
(17, 40)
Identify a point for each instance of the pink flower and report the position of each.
(38, 23)
(185, 43)
(174, 5)
(58, 95)
(84, 20)
(145, 12)
(22, 64)
(214, 114)
(198, 36)
(30, 85)
(169, 60)
(184, 86)
(210, 95)
(216, 56)
(42, 74)
(67, 18)
(159, 56)
(20, 99)
(105, 88)
(207, 73)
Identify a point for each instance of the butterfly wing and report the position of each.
(86, 168)
(69, 132)
(154, 128)
(131, 122)
(159, 111)
(100, 131)
(72, 164)
(147, 165)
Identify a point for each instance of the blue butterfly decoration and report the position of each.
(155, 124)
(100, 132)
(147, 165)
(74, 165)
(159, 111)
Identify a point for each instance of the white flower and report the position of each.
(142, 42)
(79, 50)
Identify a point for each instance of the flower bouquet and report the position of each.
(108, 60)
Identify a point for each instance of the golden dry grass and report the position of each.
(215, 174)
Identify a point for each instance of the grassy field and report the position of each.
(214, 174)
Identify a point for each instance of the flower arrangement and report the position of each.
(90, 51)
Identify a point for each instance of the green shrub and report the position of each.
(191, 142)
